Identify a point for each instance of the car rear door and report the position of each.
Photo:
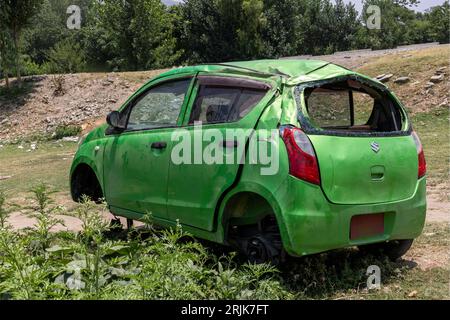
(366, 153)
(222, 105)
(137, 160)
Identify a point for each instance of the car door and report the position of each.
(220, 104)
(137, 160)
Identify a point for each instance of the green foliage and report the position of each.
(44, 212)
(66, 57)
(4, 211)
(16, 15)
(439, 22)
(130, 35)
(96, 263)
(62, 131)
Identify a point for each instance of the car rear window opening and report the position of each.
(349, 106)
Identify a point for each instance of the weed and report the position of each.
(170, 264)
(58, 82)
(44, 212)
(4, 211)
(66, 131)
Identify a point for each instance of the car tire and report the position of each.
(394, 249)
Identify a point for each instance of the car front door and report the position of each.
(220, 103)
(137, 160)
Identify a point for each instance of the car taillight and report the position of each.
(302, 158)
(421, 156)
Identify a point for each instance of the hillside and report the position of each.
(86, 98)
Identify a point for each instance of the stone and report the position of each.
(402, 80)
(384, 77)
(437, 79)
(70, 139)
(429, 85)
(5, 177)
(441, 70)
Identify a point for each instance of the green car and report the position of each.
(270, 157)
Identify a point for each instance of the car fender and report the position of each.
(88, 155)
(262, 191)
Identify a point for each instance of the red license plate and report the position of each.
(366, 226)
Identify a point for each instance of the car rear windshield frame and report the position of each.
(309, 128)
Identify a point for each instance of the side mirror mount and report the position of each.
(113, 120)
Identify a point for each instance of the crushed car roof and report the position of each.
(294, 71)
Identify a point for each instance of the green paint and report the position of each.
(136, 179)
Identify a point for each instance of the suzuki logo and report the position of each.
(375, 147)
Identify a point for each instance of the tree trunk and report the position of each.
(16, 46)
(6, 78)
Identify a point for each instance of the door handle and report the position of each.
(230, 144)
(159, 145)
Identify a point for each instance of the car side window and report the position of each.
(215, 104)
(159, 107)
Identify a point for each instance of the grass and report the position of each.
(66, 131)
(99, 263)
(50, 162)
(420, 66)
(433, 129)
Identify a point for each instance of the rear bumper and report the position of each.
(311, 224)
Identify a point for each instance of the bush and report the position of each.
(66, 131)
(66, 57)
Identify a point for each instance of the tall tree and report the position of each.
(396, 20)
(131, 34)
(281, 34)
(5, 44)
(20, 14)
(438, 18)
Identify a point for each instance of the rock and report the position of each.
(5, 177)
(33, 146)
(437, 79)
(70, 139)
(441, 70)
(402, 80)
(384, 77)
(412, 294)
(443, 104)
(429, 85)
(20, 147)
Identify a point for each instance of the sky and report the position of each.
(424, 4)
